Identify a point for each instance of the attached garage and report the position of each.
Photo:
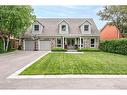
(45, 45)
(29, 45)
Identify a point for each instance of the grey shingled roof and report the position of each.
(51, 26)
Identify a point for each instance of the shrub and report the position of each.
(10, 45)
(89, 49)
(1, 46)
(114, 46)
(58, 49)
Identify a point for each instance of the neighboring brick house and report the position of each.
(69, 33)
(110, 32)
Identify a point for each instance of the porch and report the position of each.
(72, 43)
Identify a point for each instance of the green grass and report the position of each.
(87, 63)
(12, 50)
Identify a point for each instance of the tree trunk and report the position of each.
(4, 43)
(6, 49)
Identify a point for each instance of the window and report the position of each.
(36, 27)
(92, 42)
(63, 27)
(86, 27)
(59, 42)
(81, 42)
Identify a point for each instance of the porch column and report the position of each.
(80, 42)
(63, 43)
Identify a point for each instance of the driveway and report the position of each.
(11, 62)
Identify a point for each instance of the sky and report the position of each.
(86, 11)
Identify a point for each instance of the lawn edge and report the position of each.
(26, 66)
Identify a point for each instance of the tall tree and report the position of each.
(14, 20)
(116, 15)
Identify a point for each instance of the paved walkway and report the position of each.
(11, 62)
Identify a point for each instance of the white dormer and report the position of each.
(63, 27)
(85, 27)
(37, 28)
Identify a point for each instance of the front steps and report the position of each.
(71, 50)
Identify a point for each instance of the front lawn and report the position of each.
(87, 63)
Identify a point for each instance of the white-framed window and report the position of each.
(82, 41)
(36, 27)
(63, 27)
(86, 27)
(92, 42)
(59, 42)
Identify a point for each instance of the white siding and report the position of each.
(82, 28)
(40, 28)
(60, 29)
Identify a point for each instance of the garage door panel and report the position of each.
(29, 45)
(45, 45)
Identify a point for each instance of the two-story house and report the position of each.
(69, 33)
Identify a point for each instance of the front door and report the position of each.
(71, 43)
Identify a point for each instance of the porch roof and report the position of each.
(66, 35)
(70, 35)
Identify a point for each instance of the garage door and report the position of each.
(45, 45)
(29, 45)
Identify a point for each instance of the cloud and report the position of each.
(69, 11)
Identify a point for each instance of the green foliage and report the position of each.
(10, 45)
(15, 19)
(114, 46)
(1, 46)
(58, 49)
(89, 50)
(116, 15)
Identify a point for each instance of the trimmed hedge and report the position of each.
(1, 46)
(88, 49)
(114, 46)
(58, 49)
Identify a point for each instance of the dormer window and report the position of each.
(86, 27)
(36, 27)
(63, 27)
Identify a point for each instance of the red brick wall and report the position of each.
(110, 32)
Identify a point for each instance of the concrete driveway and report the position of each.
(11, 62)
